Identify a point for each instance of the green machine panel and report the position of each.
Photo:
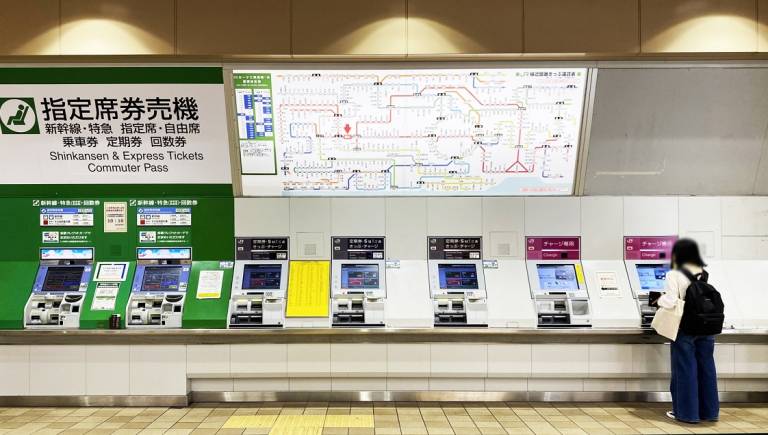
(207, 313)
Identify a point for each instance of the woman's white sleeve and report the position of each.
(671, 291)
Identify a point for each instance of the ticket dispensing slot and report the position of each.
(59, 288)
(159, 288)
(260, 282)
(557, 282)
(456, 281)
(358, 281)
(647, 261)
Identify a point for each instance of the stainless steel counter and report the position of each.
(357, 335)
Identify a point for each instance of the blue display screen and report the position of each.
(63, 279)
(359, 276)
(652, 276)
(161, 279)
(262, 276)
(457, 276)
(557, 277)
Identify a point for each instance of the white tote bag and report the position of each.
(666, 322)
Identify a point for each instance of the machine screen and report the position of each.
(354, 276)
(262, 276)
(63, 279)
(457, 276)
(652, 276)
(557, 277)
(161, 279)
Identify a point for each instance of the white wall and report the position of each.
(728, 228)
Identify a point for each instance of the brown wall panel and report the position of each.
(762, 25)
(338, 27)
(698, 26)
(581, 26)
(234, 27)
(465, 26)
(117, 27)
(29, 27)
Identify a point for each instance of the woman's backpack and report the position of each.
(703, 313)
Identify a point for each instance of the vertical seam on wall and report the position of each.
(290, 30)
(407, 19)
(175, 27)
(640, 26)
(522, 27)
(60, 24)
(760, 159)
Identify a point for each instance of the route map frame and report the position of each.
(462, 131)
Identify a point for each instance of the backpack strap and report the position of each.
(703, 276)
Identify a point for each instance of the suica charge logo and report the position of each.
(18, 116)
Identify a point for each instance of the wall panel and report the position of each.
(234, 27)
(29, 27)
(696, 131)
(338, 27)
(117, 27)
(698, 26)
(465, 26)
(581, 26)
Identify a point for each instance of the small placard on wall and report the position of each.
(104, 298)
(115, 217)
(609, 284)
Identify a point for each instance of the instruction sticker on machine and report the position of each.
(209, 284)
(105, 295)
(164, 217)
(115, 217)
(66, 217)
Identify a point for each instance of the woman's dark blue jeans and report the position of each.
(694, 379)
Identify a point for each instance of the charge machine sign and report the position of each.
(116, 125)
(164, 217)
(66, 217)
(648, 248)
(552, 248)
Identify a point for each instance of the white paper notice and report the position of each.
(111, 272)
(209, 285)
(115, 217)
(609, 286)
(104, 298)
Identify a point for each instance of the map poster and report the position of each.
(427, 132)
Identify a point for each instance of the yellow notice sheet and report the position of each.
(309, 285)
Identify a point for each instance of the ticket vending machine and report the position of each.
(59, 289)
(358, 281)
(456, 281)
(260, 283)
(557, 282)
(159, 288)
(647, 261)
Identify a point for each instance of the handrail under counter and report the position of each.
(360, 335)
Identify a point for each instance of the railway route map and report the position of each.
(429, 132)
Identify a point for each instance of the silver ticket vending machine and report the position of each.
(59, 289)
(260, 283)
(358, 281)
(556, 279)
(647, 262)
(456, 281)
(159, 288)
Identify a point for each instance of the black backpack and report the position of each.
(703, 310)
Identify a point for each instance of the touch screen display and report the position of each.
(652, 276)
(161, 279)
(556, 277)
(63, 279)
(359, 276)
(262, 276)
(457, 276)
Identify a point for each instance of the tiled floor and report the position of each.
(377, 419)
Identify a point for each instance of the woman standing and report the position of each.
(694, 378)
